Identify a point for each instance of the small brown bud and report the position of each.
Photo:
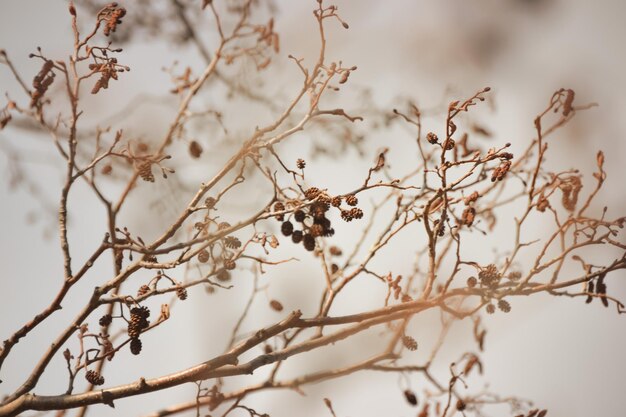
(195, 150)
(276, 305)
(471, 282)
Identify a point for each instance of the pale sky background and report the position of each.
(562, 354)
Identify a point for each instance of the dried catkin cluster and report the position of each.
(111, 15)
(42, 81)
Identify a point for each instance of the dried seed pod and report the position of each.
(195, 150)
(515, 275)
(471, 363)
(309, 242)
(432, 138)
(142, 147)
(335, 251)
(135, 346)
(318, 209)
(449, 144)
(143, 290)
(112, 15)
(181, 293)
(204, 256)
(460, 405)
(143, 312)
(335, 201)
(356, 213)
(94, 378)
(468, 216)
(229, 264)
(471, 198)
(297, 236)
(210, 202)
(590, 290)
(301, 163)
(276, 305)
(312, 193)
(567, 104)
(471, 282)
(326, 199)
(409, 343)
(232, 242)
(489, 276)
(299, 215)
(41, 83)
(279, 207)
(105, 320)
(316, 230)
(504, 306)
(107, 169)
(542, 203)
(138, 321)
(410, 397)
(570, 187)
(491, 309)
(352, 200)
(601, 290)
(144, 170)
(499, 173)
(286, 228)
(223, 275)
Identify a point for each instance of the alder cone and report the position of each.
(135, 346)
(94, 378)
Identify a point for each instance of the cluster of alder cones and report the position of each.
(313, 220)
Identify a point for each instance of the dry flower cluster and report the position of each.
(455, 193)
